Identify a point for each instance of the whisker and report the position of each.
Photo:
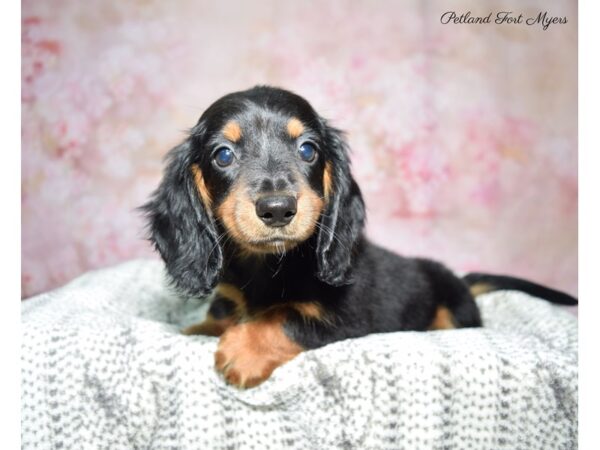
(218, 240)
(333, 234)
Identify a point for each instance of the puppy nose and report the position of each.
(276, 210)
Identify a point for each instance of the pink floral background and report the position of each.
(464, 137)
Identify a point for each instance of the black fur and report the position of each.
(344, 218)
(182, 230)
(360, 288)
(497, 282)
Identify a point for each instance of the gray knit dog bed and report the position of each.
(105, 367)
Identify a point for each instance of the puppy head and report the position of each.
(261, 171)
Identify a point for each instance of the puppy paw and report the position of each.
(248, 353)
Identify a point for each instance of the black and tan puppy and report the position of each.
(259, 205)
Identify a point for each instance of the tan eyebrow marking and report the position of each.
(232, 131)
(295, 127)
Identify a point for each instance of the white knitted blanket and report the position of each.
(104, 367)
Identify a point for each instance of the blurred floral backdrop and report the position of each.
(464, 137)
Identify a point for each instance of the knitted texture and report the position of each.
(105, 367)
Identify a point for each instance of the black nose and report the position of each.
(276, 210)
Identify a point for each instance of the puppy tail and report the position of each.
(481, 283)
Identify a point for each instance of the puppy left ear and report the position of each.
(182, 227)
(344, 216)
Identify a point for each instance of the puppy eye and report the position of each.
(224, 157)
(307, 152)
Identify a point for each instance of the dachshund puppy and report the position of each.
(258, 206)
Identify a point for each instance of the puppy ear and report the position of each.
(182, 228)
(344, 216)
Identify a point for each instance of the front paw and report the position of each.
(248, 353)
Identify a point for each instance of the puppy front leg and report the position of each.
(250, 351)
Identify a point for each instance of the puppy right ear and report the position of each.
(182, 227)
